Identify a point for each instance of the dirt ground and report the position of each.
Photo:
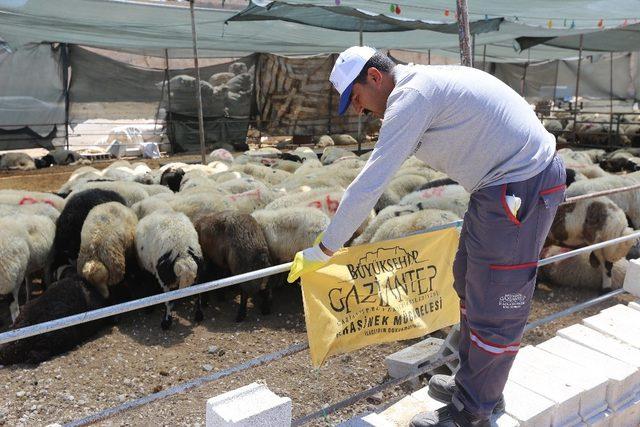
(133, 357)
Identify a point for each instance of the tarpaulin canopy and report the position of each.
(624, 39)
(150, 28)
(345, 18)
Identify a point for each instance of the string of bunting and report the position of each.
(395, 8)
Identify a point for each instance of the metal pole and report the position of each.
(198, 89)
(168, 119)
(429, 56)
(473, 50)
(360, 116)
(65, 81)
(524, 79)
(555, 85)
(575, 106)
(484, 57)
(463, 33)
(610, 95)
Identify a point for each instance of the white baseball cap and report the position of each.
(346, 69)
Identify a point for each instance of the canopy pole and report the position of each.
(524, 74)
(168, 119)
(359, 115)
(463, 33)
(198, 89)
(575, 106)
(610, 96)
(484, 57)
(65, 78)
(473, 50)
(555, 84)
(429, 56)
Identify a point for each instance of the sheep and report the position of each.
(63, 298)
(290, 230)
(324, 141)
(241, 185)
(44, 161)
(447, 191)
(106, 245)
(22, 197)
(382, 216)
(67, 157)
(195, 204)
(588, 222)
(628, 201)
(621, 160)
(150, 204)
(172, 178)
(306, 153)
(344, 139)
(398, 187)
(292, 157)
(286, 165)
(403, 225)
(325, 199)
(16, 161)
(331, 154)
(248, 201)
(25, 245)
(156, 189)
(131, 192)
(167, 246)
(220, 155)
(30, 209)
(235, 243)
(577, 271)
(263, 173)
(309, 165)
(79, 176)
(66, 243)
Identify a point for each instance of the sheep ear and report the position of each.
(164, 267)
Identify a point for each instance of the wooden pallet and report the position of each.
(96, 156)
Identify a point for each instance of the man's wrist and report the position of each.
(326, 250)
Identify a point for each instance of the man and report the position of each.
(477, 130)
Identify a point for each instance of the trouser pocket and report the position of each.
(511, 290)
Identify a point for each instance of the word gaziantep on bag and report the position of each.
(381, 292)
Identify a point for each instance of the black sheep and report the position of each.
(66, 297)
(44, 161)
(172, 178)
(66, 243)
(438, 183)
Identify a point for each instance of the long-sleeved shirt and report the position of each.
(458, 120)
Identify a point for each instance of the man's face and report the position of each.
(371, 96)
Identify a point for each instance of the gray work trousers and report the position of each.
(494, 275)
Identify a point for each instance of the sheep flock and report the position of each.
(128, 231)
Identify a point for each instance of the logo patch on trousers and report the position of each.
(512, 301)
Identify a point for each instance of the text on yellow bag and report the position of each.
(381, 292)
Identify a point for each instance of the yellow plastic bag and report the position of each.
(381, 292)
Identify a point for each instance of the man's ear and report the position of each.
(375, 76)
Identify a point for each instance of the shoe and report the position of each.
(441, 388)
(448, 416)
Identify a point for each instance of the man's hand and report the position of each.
(307, 261)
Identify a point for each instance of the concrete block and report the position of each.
(503, 420)
(598, 341)
(566, 396)
(623, 378)
(527, 407)
(367, 420)
(451, 344)
(252, 405)
(401, 412)
(635, 305)
(423, 396)
(628, 415)
(619, 321)
(410, 359)
(593, 398)
(603, 419)
(632, 278)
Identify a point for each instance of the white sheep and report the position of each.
(592, 221)
(30, 209)
(131, 192)
(331, 154)
(107, 243)
(628, 201)
(290, 230)
(405, 225)
(195, 204)
(23, 197)
(577, 271)
(263, 173)
(251, 200)
(167, 246)
(25, 245)
(308, 166)
(305, 153)
(241, 185)
(382, 216)
(443, 192)
(398, 187)
(16, 161)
